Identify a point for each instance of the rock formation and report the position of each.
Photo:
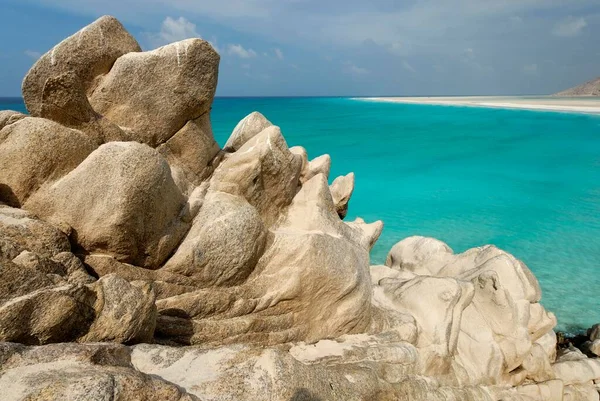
(138, 260)
(590, 88)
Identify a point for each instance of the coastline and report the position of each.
(548, 103)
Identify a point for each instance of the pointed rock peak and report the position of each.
(250, 126)
(319, 165)
(370, 231)
(341, 191)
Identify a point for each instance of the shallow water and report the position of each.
(527, 182)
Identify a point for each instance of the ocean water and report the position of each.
(527, 182)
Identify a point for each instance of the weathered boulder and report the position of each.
(124, 313)
(311, 257)
(594, 332)
(341, 191)
(224, 244)
(319, 165)
(8, 117)
(191, 153)
(44, 152)
(130, 209)
(263, 171)
(152, 95)
(94, 372)
(65, 101)
(87, 55)
(21, 231)
(490, 334)
(51, 314)
(250, 126)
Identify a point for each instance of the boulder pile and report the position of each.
(139, 261)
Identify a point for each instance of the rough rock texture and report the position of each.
(152, 95)
(87, 55)
(44, 152)
(131, 208)
(252, 125)
(122, 222)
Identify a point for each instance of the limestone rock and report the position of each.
(246, 129)
(152, 95)
(341, 191)
(44, 151)
(88, 54)
(125, 313)
(131, 208)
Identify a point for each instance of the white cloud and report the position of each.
(569, 27)
(33, 54)
(407, 66)
(175, 30)
(352, 69)
(531, 69)
(240, 51)
(279, 54)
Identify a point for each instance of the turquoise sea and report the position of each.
(525, 181)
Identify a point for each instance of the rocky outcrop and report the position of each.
(138, 260)
(590, 88)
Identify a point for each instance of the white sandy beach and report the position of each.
(548, 103)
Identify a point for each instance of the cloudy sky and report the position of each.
(340, 47)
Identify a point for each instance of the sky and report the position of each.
(339, 47)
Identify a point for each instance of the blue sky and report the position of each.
(340, 47)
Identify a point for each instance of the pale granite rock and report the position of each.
(131, 207)
(43, 151)
(88, 55)
(341, 191)
(94, 372)
(124, 313)
(152, 95)
(8, 117)
(250, 126)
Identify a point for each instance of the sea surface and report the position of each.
(525, 181)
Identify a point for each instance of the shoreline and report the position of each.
(556, 104)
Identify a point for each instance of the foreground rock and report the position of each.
(138, 260)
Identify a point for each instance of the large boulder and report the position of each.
(311, 257)
(87, 55)
(44, 152)
(152, 95)
(224, 244)
(130, 208)
(491, 338)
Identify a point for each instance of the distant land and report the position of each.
(591, 88)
